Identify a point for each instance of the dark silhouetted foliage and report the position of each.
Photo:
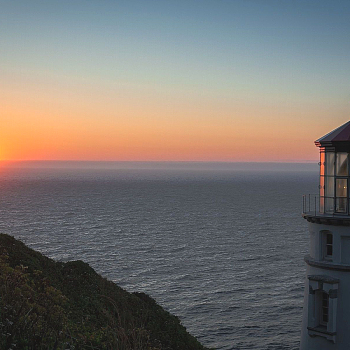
(52, 305)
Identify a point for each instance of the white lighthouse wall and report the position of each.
(341, 257)
(341, 242)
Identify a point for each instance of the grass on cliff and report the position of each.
(52, 305)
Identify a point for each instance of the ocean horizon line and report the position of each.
(69, 161)
(162, 165)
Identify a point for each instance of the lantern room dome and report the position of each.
(340, 137)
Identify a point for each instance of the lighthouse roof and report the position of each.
(339, 135)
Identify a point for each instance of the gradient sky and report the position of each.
(220, 80)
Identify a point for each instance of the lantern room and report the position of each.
(334, 171)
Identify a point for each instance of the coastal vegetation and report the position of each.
(46, 304)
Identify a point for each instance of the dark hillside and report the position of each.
(51, 305)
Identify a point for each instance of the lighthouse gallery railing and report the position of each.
(311, 204)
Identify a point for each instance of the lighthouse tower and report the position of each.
(326, 314)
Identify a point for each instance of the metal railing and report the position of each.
(311, 204)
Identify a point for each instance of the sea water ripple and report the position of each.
(221, 249)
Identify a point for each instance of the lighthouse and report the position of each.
(326, 313)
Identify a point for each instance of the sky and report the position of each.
(136, 80)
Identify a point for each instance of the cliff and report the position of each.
(53, 305)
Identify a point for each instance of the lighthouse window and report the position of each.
(327, 245)
(322, 306)
(325, 309)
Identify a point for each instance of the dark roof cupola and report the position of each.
(338, 138)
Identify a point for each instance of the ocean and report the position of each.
(220, 245)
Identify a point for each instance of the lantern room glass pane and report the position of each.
(329, 205)
(330, 159)
(341, 205)
(341, 194)
(342, 164)
(341, 187)
(329, 186)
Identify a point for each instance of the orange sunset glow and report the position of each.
(69, 100)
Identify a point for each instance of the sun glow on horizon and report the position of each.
(51, 123)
